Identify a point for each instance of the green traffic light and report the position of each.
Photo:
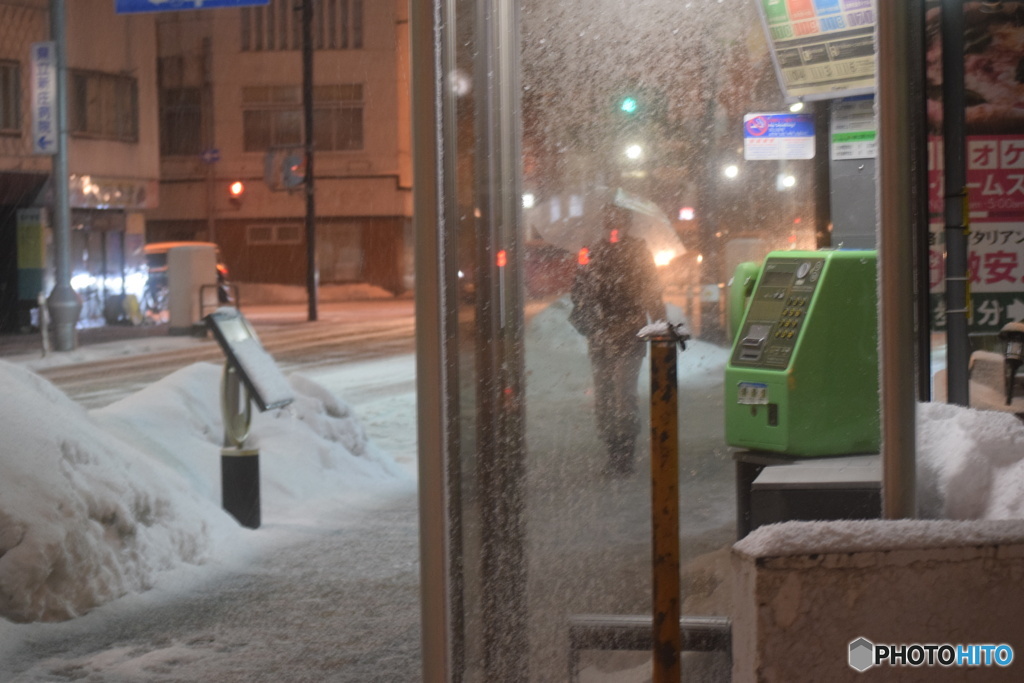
(629, 105)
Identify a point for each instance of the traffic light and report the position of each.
(236, 191)
(629, 105)
(293, 170)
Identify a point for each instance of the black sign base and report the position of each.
(240, 484)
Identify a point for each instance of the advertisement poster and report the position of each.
(994, 120)
(821, 48)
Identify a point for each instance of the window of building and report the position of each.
(181, 121)
(272, 116)
(102, 105)
(10, 120)
(337, 25)
(273, 234)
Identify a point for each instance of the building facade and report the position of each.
(231, 110)
(168, 109)
(113, 153)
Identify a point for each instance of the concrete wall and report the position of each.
(805, 591)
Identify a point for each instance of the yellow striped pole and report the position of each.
(666, 602)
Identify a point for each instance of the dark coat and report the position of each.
(616, 294)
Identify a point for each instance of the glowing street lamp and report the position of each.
(785, 181)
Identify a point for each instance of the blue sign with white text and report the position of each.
(781, 135)
(778, 126)
(135, 6)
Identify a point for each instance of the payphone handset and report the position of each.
(741, 286)
(802, 377)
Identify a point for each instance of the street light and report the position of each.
(634, 152)
(731, 171)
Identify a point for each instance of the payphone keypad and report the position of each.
(778, 309)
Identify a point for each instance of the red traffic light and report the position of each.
(236, 191)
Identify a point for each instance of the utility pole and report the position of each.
(63, 304)
(312, 275)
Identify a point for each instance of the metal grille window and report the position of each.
(9, 104)
(272, 117)
(103, 106)
(337, 25)
(181, 121)
(273, 234)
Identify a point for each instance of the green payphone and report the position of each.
(802, 378)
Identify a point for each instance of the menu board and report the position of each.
(822, 49)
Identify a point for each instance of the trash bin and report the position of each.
(191, 274)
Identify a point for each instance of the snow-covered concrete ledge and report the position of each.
(804, 591)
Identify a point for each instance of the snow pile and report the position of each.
(95, 505)
(970, 463)
(970, 467)
(810, 538)
(83, 518)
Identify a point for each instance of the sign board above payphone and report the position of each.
(778, 136)
(822, 49)
(135, 6)
(854, 131)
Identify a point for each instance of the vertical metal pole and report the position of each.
(64, 304)
(900, 36)
(209, 141)
(822, 177)
(312, 275)
(666, 635)
(436, 363)
(501, 440)
(954, 153)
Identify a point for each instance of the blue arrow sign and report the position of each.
(43, 58)
(135, 6)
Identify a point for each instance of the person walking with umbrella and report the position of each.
(614, 296)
